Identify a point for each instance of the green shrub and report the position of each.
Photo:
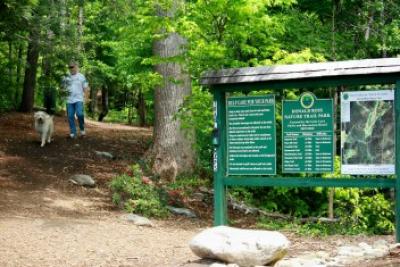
(366, 210)
(130, 192)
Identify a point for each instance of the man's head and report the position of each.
(73, 67)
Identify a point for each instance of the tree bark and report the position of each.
(10, 64)
(104, 103)
(80, 26)
(172, 151)
(93, 101)
(28, 93)
(382, 29)
(141, 108)
(18, 76)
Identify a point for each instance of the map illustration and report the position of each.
(367, 134)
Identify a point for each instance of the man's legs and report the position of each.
(71, 118)
(81, 117)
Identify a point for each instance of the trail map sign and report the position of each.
(367, 134)
(307, 127)
(307, 135)
(251, 135)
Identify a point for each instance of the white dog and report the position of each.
(44, 126)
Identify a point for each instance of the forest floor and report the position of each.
(45, 220)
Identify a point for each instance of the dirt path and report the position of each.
(47, 221)
(106, 241)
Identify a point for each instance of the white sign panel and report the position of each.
(368, 132)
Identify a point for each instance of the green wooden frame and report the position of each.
(221, 181)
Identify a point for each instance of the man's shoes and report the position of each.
(71, 136)
(83, 133)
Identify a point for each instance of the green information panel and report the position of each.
(307, 135)
(251, 137)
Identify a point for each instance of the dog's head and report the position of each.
(41, 116)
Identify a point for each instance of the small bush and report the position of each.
(130, 192)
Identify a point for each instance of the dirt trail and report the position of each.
(34, 180)
(47, 221)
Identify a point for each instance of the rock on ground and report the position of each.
(242, 247)
(138, 220)
(82, 179)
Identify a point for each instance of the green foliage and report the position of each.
(307, 229)
(189, 184)
(135, 196)
(358, 210)
(365, 210)
(197, 112)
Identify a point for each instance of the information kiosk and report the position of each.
(244, 136)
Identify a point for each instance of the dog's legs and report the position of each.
(43, 140)
(50, 133)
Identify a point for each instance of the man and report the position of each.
(75, 85)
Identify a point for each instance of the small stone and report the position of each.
(104, 154)
(394, 246)
(138, 220)
(198, 196)
(182, 211)
(299, 262)
(83, 180)
(380, 243)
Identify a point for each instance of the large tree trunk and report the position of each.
(28, 93)
(172, 151)
(49, 92)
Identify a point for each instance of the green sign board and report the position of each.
(251, 136)
(307, 135)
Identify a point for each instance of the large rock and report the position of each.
(243, 247)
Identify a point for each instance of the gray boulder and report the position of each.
(242, 247)
(83, 180)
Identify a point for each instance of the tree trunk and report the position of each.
(172, 151)
(104, 103)
(93, 101)
(80, 26)
(10, 64)
(18, 77)
(382, 29)
(28, 93)
(369, 25)
(141, 108)
(63, 16)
